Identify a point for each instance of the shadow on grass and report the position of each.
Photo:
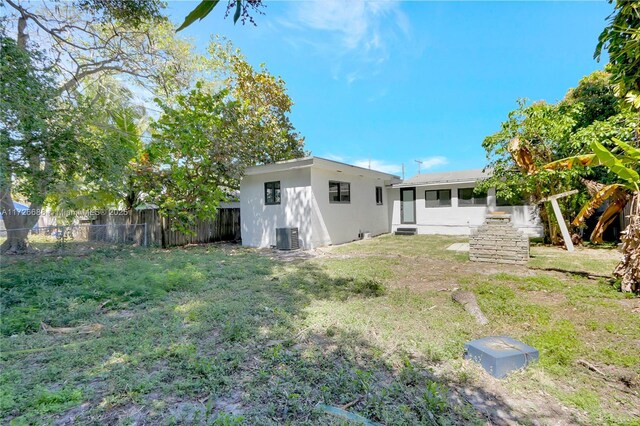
(205, 335)
(582, 274)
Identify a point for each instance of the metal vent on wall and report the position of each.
(287, 239)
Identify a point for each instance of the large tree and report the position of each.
(115, 122)
(85, 41)
(204, 140)
(46, 142)
(528, 139)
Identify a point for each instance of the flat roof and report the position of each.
(460, 176)
(311, 161)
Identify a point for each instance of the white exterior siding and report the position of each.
(305, 204)
(304, 188)
(343, 222)
(259, 221)
(459, 220)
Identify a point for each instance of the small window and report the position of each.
(272, 193)
(339, 192)
(467, 197)
(438, 198)
(379, 195)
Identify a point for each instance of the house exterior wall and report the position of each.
(339, 223)
(305, 204)
(259, 221)
(459, 220)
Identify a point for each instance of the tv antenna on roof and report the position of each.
(419, 164)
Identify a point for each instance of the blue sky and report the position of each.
(393, 82)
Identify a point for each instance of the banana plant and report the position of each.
(618, 194)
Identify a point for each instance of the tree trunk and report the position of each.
(629, 268)
(18, 224)
(16, 243)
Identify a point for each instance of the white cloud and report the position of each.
(379, 165)
(431, 162)
(355, 30)
(334, 157)
(356, 22)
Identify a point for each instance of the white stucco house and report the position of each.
(330, 202)
(445, 203)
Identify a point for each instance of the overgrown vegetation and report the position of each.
(227, 335)
(84, 140)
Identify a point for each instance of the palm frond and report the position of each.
(611, 192)
(615, 164)
(570, 162)
(593, 187)
(632, 152)
(607, 218)
(521, 155)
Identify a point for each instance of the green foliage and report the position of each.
(616, 165)
(621, 39)
(69, 291)
(68, 138)
(583, 399)
(204, 139)
(199, 161)
(76, 153)
(500, 301)
(48, 142)
(113, 125)
(621, 126)
(549, 134)
(242, 9)
(597, 98)
(133, 12)
(28, 130)
(46, 401)
(199, 13)
(541, 127)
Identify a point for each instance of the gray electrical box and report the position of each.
(287, 239)
(499, 355)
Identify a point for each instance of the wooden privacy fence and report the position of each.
(225, 227)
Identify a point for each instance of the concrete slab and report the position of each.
(500, 355)
(461, 247)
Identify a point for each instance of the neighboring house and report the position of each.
(333, 203)
(445, 203)
(329, 202)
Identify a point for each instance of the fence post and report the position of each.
(145, 234)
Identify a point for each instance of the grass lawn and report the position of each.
(226, 335)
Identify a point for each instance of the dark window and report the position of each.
(438, 198)
(379, 195)
(272, 192)
(339, 192)
(468, 197)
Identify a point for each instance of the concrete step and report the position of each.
(406, 231)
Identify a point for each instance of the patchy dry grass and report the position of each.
(226, 335)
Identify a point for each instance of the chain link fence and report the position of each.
(81, 238)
